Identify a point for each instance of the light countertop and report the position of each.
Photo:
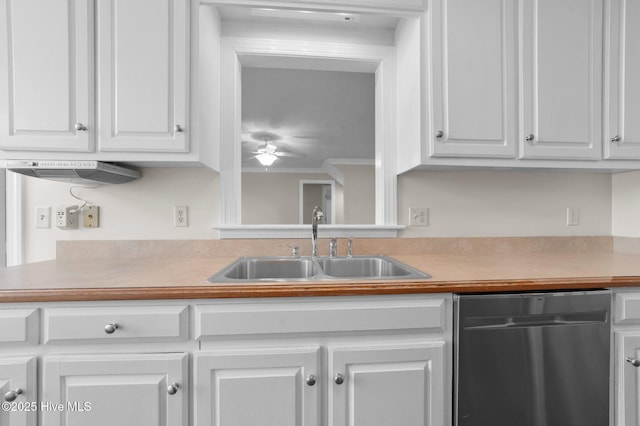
(184, 278)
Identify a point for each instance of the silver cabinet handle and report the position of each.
(311, 380)
(616, 138)
(12, 395)
(530, 138)
(111, 328)
(172, 389)
(633, 361)
(178, 128)
(80, 127)
(439, 134)
(339, 379)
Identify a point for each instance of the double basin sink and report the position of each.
(252, 269)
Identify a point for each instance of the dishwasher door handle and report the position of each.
(535, 320)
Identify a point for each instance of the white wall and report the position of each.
(461, 203)
(505, 203)
(359, 194)
(272, 198)
(625, 204)
(142, 209)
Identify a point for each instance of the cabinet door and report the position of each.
(46, 69)
(627, 378)
(561, 79)
(18, 389)
(107, 390)
(388, 385)
(258, 387)
(474, 87)
(142, 66)
(622, 137)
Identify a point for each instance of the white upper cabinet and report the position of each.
(46, 75)
(521, 84)
(622, 122)
(474, 78)
(142, 57)
(561, 79)
(102, 80)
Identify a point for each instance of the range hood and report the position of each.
(74, 171)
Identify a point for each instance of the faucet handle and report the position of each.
(350, 247)
(333, 247)
(295, 250)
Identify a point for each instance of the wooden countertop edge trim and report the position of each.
(310, 289)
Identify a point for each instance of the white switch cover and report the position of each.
(418, 216)
(43, 217)
(573, 217)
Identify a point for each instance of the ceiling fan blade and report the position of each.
(288, 154)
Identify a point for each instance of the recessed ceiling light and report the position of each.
(306, 15)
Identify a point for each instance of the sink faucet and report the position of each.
(316, 217)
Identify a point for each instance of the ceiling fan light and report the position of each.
(266, 159)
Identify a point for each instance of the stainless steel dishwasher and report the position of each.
(532, 359)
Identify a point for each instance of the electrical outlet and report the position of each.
(418, 216)
(67, 217)
(90, 216)
(573, 218)
(180, 216)
(43, 217)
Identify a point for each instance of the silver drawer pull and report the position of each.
(111, 328)
(339, 379)
(633, 361)
(439, 134)
(311, 380)
(172, 389)
(80, 127)
(12, 395)
(178, 128)
(530, 138)
(616, 138)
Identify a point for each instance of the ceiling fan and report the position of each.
(270, 151)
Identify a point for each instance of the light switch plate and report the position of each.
(43, 217)
(573, 216)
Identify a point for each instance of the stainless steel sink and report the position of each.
(267, 268)
(367, 267)
(252, 269)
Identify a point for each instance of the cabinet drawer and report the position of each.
(626, 308)
(120, 323)
(423, 314)
(19, 326)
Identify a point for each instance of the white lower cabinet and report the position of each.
(18, 388)
(627, 377)
(258, 387)
(388, 385)
(626, 354)
(324, 361)
(298, 361)
(115, 389)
